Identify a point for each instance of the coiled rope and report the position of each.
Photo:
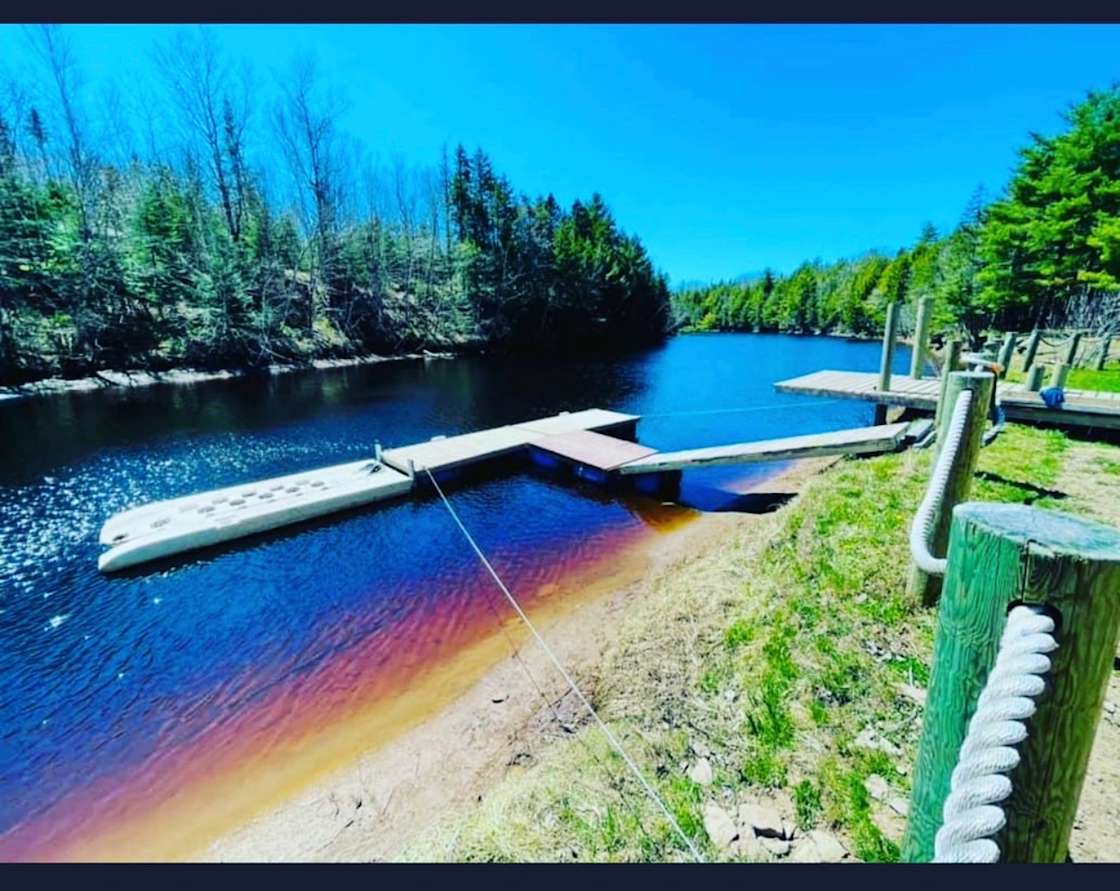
(979, 783)
(922, 529)
(611, 738)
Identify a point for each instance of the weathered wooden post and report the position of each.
(1059, 375)
(1001, 555)
(953, 348)
(886, 359)
(1032, 348)
(959, 484)
(1102, 356)
(921, 337)
(1006, 352)
(1034, 378)
(1071, 352)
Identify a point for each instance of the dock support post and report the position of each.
(1032, 348)
(1006, 352)
(1102, 356)
(921, 338)
(1071, 352)
(959, 485)
(377, 450)
(952, 360)
(1059, 375)
(412, 469)
(1001, 555)
(886, 359)
(1034, 378)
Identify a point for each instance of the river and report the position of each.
(118, 692)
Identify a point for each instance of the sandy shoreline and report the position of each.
(131, 378)
(485, 718)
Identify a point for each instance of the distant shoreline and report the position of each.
(131, 378)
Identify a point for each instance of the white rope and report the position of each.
(921, 530)
(615, 744)
(979, 784)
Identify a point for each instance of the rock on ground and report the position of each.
(720, 827)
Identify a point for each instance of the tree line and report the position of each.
(181, 250)
(1046, 252)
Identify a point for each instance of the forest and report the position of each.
(1046, 252)
(173, 248)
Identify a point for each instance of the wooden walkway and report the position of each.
(859, 441)
(1081, 408)
(445, 453)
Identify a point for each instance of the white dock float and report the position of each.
(171, 527)
(859, 441)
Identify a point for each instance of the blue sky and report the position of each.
(726, 148)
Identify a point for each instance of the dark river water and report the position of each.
(118, 692)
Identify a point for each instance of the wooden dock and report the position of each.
(1080, 409)
(858, 441)
(576, 440)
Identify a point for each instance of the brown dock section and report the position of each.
(1081, 408)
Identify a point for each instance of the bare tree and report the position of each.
(215, 107)
(306, 126)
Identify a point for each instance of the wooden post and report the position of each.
(1059, 375)
(1102, 356)
(1071, 353)
(1001, 555)
(886, 359)
(952, 360)
(1006, 352)
(921, 338)
(1032, 348)
(1034, 378)
(959, 485)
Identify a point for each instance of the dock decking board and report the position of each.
(884, 438)
(468, 448)
(593, 449)
(1081, 408)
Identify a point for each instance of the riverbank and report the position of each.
(776, 674)
(496, 725)
(104, 380)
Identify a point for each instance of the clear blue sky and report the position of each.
(726, 148)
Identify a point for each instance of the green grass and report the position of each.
(1104, 381)
(776, 650)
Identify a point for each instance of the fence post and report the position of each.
(1071, 353)
(921, 338)
(959, 484)
(1102, 356)
(1001, 555)
(1006, 352)
(952, 360)
(890, 332)
(1032, 348)
(1059, 375)
(1034, 378)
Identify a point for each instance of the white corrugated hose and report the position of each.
(979, 784)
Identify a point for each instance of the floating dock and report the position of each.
(578, 440)
(1082, 408)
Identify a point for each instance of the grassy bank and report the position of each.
(788, 659)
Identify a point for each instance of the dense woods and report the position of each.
(1045, 252)
(179, 250)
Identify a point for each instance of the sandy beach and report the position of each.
(438, 749)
